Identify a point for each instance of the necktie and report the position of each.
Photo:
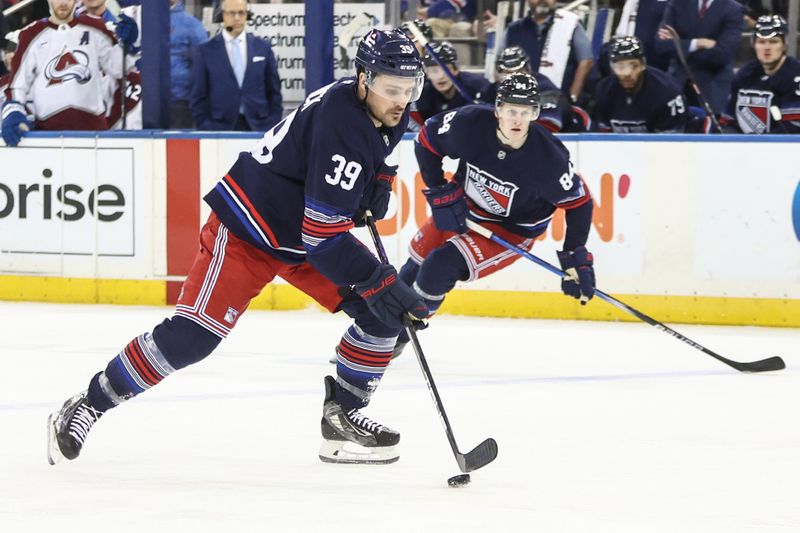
(237, 61)
(703, 8)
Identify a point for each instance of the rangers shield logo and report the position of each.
(752, 110)
(489, 193)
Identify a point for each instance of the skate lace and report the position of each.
(82, 422)
(362, 421)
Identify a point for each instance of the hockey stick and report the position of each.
(764, 365)
(673, 35)
(485, 452)
(420, 37)
(124, 89)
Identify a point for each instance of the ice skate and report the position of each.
(352, 438)
(68, 427)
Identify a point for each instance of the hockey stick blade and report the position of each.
(769, 364)
(480, 456)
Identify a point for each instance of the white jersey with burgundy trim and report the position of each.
(58, 71)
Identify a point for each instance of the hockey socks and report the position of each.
(362, 360)
(138, 367)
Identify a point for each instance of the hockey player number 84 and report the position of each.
(350, 169)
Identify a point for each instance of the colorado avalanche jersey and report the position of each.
(58, 72)
(519, 189)
(553, 112)
(657, 107)
(753, 93)
(432, 101)
(295, 193)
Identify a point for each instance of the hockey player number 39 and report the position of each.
(350, 169)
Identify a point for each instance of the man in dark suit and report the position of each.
(709, 32)
(235, 78)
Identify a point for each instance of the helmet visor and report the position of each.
(400, 89)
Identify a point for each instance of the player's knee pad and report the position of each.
(441, 270)
(184, 342)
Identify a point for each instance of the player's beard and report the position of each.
(63, 13)
(390, 118)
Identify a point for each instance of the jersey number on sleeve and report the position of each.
(350, 169)
(445, 127)
(676, 106)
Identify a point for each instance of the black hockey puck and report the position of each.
(461, 480)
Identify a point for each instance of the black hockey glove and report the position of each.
(390, 299)
(376, 195)
(579, 282)
(448, 207)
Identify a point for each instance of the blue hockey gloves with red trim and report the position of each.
(127, 31)
(15, 123)
(579, 282)
(448, 207)
(390, 299)
(377, 194)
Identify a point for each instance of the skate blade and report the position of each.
(346, 452)
(54, 454)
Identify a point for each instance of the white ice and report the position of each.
(602, 427)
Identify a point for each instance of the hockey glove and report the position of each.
(376, 196)
(448, 207)
(15, 123)
(579, 281)
(127, 31)
(390, 299)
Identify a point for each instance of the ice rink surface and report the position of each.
(601, 427)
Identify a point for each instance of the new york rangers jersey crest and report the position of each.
(752, 110)
(489, 192)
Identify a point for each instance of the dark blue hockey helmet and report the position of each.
(627, 47)
(512, 59)
(519, 89)
(389, 52)
(445, 51)
(768, 26)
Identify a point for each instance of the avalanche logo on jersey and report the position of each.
(752, 110)
(491, 194)
(68, 66)
(628, 126)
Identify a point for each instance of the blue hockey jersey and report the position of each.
(518, 189)
(295, 193)
(753, 93)
(657, 107)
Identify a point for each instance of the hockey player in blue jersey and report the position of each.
(439, 93)
(765, 93)
(636, 98)
(285, 209)
(557, 114)
(512, 176)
